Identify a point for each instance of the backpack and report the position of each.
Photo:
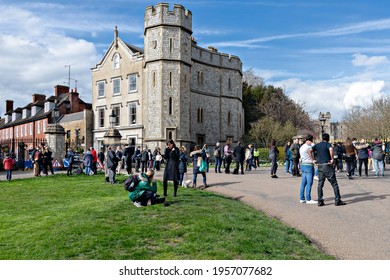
(217, 152)
(131, 183)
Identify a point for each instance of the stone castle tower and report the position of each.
(167, 69)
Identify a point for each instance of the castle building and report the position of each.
(170, 89)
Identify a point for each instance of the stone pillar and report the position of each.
(55, 136)
(112, 138)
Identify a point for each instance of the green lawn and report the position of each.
(79, 217)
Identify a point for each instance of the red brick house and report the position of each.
(23, 128)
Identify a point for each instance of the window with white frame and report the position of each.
(116, 61)
(116, 86)
(133, 113)
(39, 127)
(31, 129)
(132, 82)
(100, 86)
(116, 110)
(101, 117)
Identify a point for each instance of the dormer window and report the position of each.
(26, 113)
(116, 61)
(48, 106)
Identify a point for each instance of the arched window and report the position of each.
(116, 61)
(229, 118)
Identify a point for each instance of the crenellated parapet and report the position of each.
(162, 15)
(212, 57)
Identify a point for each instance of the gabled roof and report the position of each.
(133, 50)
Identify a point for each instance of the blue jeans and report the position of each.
(378, 164)
(9, 175)
(307, 181)
(218, 163)
(196, 171)
(288, 166)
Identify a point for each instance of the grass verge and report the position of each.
(79, 217)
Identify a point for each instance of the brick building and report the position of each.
(23, 128)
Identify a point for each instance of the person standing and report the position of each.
(324, 160)
(8, 164)
(70, 157)
(94, 160)
(38, 161)
(294, 149)
(182, 164)
(377, 155)
(158, 159)
(171, 172)
(87, 160)
(144, 160)
(119, 155)
(239, 156)
(207, 150)
(228, 152)
(362, 149)
(288, 157)
(273, 156)
(197, 156)
(128, 153)
(307, 167)
(101, 158)
(350, 157)
(112, 164)
(218, 157)
(137, 157)
(256, 155)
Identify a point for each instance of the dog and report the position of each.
(187, 183)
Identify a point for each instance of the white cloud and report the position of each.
(362, 93)
(364, 60)
(33, 58)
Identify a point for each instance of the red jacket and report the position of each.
(8, 163)
(94, 155)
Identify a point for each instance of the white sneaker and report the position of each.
(302, 201)
(137, 204)
(312, 202)
(315, 178)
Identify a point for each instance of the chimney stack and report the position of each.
(59, 89)
(38, 97)
(9, 105)
(74, 102)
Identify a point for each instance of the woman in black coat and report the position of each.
(182, 164)
(171, 172)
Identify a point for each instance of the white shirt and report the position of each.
(304, 152)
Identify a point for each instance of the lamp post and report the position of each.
(55, 113)
(322, 120)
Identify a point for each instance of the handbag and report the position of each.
(203, 166)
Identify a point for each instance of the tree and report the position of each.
(268, 128)
(370, 121)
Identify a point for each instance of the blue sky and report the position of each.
(327, 55)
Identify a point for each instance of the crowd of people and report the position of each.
(303, 158)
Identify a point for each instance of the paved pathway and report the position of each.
(359, 230)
